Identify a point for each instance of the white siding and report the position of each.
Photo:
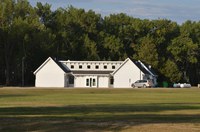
(126, 75)
(50, 75)
(103, 82)
(79, 81)
(110, 65)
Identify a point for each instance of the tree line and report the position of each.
(28, 35)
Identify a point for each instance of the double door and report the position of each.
(91, 82)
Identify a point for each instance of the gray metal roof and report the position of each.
(144, 68)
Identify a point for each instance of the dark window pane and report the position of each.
(96, 67)
(113, 67)
(94, 82)
(71, 79)
(87, 82)
(111, 80)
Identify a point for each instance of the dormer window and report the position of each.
(72, 66)
(105, 67)
(88, 66)
(96, 67)
(80, 66)
(113, 67)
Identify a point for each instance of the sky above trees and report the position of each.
(175, 10)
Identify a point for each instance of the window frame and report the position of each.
(88, 66)
(87, 82)
(72, 66)
(97, 67)
(113, 67)
(80, 66)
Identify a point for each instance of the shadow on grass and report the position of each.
(13, 95)
(89, 109)
(92, 117)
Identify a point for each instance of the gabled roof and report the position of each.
(144, 68)
(58, 63)
(61, 66)
(120, 66)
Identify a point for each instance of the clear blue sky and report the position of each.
(175, 10)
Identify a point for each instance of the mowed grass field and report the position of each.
(51, 109)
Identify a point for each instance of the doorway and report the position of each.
(91, 82)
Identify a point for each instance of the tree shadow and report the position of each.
(93, 117)
(13, 95)
(103, 108)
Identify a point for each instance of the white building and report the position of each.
(92, 74)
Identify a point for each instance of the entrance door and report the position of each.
(91, 82)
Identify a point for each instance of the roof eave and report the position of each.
(35, 72)
(120, 66)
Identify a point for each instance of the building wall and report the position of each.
(100, 81)
(126, 75)
(79, 81)
(50, 75)
(103, 81)
(110, 65)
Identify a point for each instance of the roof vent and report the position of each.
(149, 66)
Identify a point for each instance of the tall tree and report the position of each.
(184, 52)
(193, 31)
(7, 15)
(147, 51)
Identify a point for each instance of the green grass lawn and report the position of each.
(33, 109)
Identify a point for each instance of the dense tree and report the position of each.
(184, 52)
(19, 23)
(7, 15)
(147, 51)
(171, 71)
(28, 35)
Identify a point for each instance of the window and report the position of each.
(113, 67)
(111, 80)
(94, 82)
(71, 79)
(88, 66)
(87, 82)
(96, 67)
(105, 67)
(90, 82)
(80, 67)
(72, 66)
